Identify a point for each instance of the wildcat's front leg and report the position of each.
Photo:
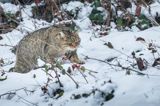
(73, 57)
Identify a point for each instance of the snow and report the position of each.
(129, 90)
(72, 5)
(155, 8)
(9, 7)
(84, 23)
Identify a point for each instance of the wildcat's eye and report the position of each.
(70, 44)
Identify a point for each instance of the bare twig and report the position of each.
(8, 93)
(83, 76)
(17, 22)
(72, 79)
(6, 45)
(34, 104)
(120, 66)
(57, 76)
(126, 68)
(14, 92)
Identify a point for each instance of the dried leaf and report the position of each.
(1, 38)
(63, 71)
(44, 89)
(78, 96)
(59, 65)
(111, 59)
(109, 44)
(58, 93)
(83, 68)
(75, 66)
(150, 45)
(1, 62)
(140, 64)
(11, 95)
(109, 96)
(128, 72)
(156, 62)
(133, 54)
(103, 34)
(2, 79)
(140, 39)
(154, 51)
(138, 10)
(110, 81)
(34, 75)
(69, 70)
(85, 95)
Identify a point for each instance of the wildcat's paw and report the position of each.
(81, 62)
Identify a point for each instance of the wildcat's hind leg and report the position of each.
(24, 65)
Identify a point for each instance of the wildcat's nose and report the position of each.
(78, 42)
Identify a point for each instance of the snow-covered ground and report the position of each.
(130, 89)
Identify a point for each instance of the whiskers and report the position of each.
(71, 48)
(79, 46)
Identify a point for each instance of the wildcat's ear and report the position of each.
(60, 35)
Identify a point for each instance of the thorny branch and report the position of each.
(10, 94)
(119, 65)
(72, 79)
(57, 76)
(83, 76)
(6, 45)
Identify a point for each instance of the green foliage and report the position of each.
(96, 3)
(74, 12)
(109, 96)
(96, 17)
(58, 93)
(41, 12)
(59, 65)
(143, 22)
(46, 67)
(83, 68)
(9, 14)
(120, 22)
(105, 96)
(9, 17)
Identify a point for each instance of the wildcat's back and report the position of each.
(47, 44)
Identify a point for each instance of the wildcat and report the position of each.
(46, 44)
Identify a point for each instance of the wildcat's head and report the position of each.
(69, 39)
